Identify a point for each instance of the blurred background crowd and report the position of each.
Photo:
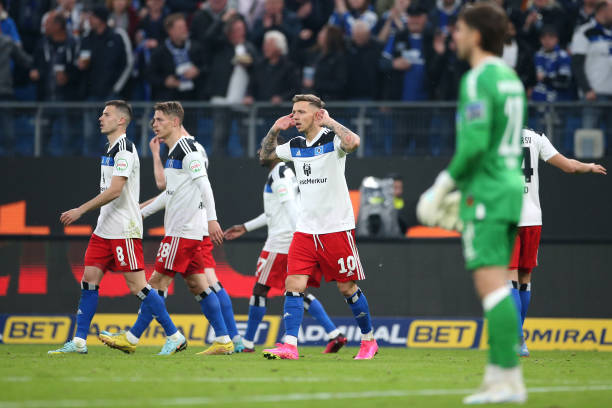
(240, 51)
(237, 52)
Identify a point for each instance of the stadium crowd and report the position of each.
(241, 51)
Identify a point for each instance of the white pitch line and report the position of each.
(320, 396)
(207, 379)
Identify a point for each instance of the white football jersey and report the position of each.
(202, 151)
(280, 188)
(184, 208)
(325, 203)
(121, 217)
(535, 147)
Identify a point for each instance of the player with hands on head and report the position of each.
(280, 198)
(324, 241)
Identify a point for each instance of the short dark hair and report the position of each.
(310, 98)
(490, 21)
(59, 20)
(395, 176)
(123, 107)
(170, 108)
(171, 19)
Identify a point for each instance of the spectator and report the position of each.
(545, 12)
(177, 68)
(229, 78)
(519, 55)
(208, 23)
(9, 51)
(327, 76)
(313, 15)
(382, 6)
(553, 69)
(583, 14)
(393, 21)
(106, 61)
(276, 17)
(151, 26)
(123, 16)
(28, 16)
(250, 10)
(57, 76)
(363, 55)
(149, 35)
(345, 17)
(105, 58)
(275, 78)
(444, 11)
(7, 25)
(444, 68)
(72, 11)
(54, 67)
(591, 62)
(404, 59)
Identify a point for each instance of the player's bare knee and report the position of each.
(296, 283)
(524, 275)
(92, 275)
(347, 288)
(196, 283)
(260, 290)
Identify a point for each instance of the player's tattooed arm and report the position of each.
(349, 139)
(269, 143)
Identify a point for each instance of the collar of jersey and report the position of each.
(176, 144)
(317, 137)
(274, 168)
(123, 136)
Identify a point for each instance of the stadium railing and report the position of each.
(386, 128)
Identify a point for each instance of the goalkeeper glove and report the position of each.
(429, 206)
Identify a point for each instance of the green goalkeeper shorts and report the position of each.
(488, 243)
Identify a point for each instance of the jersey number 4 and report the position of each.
(527, 169)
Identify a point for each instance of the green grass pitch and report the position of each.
(395, 378)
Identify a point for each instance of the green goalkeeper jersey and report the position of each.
(487, 161)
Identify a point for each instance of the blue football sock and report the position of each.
(152, 306)
(294, 313)
(257, 310)
(525, 295)
(359, 305)
(316, 310)
(87, 309)
(209, 303)
(226, 309)
(517, 302)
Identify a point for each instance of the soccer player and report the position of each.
(116, 243)
(486, 170)
(536, 147)
(324, 241)
(209, 262)
(187, 193)
(280, 214)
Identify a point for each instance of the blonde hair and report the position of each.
(310, 98)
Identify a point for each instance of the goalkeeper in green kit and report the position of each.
(486, 169)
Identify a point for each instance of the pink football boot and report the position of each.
(282, 352)
(367, 350)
